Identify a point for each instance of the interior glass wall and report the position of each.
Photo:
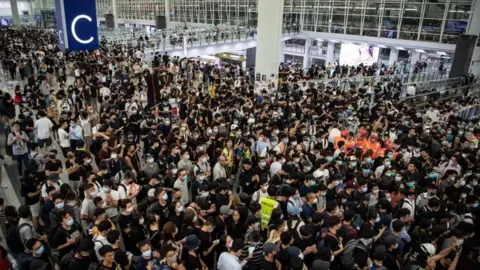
(423, 20)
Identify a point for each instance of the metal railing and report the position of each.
(421, 100)
(173, 40)
(406, 79)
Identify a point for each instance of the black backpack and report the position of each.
(14, 241)
(32, 165)
(66, 259)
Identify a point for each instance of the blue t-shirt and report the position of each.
(307, 210)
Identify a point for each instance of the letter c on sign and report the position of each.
(74, 33)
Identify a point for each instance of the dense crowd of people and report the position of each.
(218, 173)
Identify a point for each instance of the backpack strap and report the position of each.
(20, 228)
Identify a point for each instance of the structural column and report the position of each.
(330, 53)
(393, 56)
(269, 38)
(14, 9)
(115, 14)
(306, 55)
(167, 13)
(414, 59)
(282, 50)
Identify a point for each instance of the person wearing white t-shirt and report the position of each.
(124, 189)
(52, 181)
(63, 137)
(104, 91)
(111, 206)
(43, 127)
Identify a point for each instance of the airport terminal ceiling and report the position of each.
(436, 21)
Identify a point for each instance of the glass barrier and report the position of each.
(442, 95)
(406, 79)
(174, 39)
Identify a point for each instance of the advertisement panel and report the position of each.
(354, 55)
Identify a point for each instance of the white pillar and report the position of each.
(330, 53)
(282, 50)
(185, 45)
(306, 55)
(167, 13)
(393, 56)
(414, 59)
(474, 25)
(115, 14)
(14, 9)
(269, 27)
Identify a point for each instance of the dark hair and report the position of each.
(286, 238)
(24, 211)
(104, 225)
(104, 250)
(30, 243)
(397, 225)
(113, 236)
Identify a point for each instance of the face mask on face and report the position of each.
(147, 253)
(40, 250)
(70, 222)
(60, 205)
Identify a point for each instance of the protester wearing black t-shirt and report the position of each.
(65, 237)
(53, 164)
(38, 252)
(121, 257)
(268, 261)
(108, 263)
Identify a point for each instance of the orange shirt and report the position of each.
(374, 146)
(360, 142)
(349, 144)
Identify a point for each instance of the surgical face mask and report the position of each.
(147, 253)
(462, 183)
(336, 183)
(339, 162)
(180, 208)
(174, 171)
(114, 156)
(40, 250)
(369, 160)
(106, 189)
(165, 196)
(60, 205)
(366, 171)
(93, 193)
(398, 178)
(387, 164)
(365, 189)
(70, 222)
(377, 219)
